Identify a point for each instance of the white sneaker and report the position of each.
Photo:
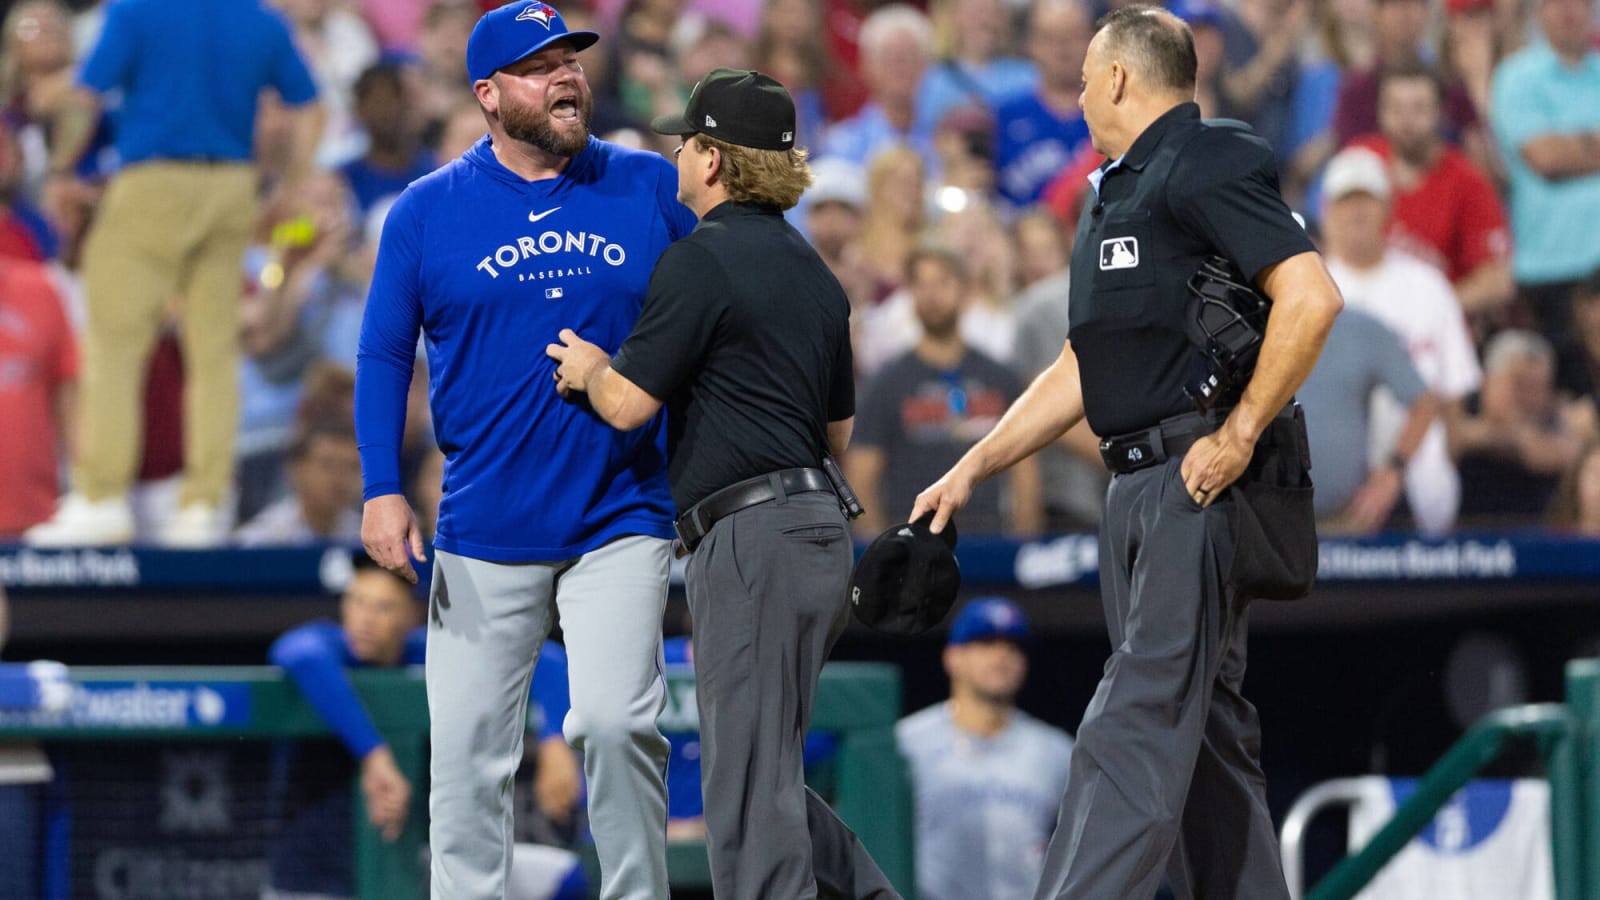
(81, 523)
(195, 526)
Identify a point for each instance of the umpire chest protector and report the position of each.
(1166, 206)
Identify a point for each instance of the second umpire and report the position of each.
(745, 336)
(1208, 510)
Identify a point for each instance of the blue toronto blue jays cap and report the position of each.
(987, 619)
(515, 31)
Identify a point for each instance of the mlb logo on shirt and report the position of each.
(554, 293)
(1119, 253)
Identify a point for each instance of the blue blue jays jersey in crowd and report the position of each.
(491, 267)
(1032, 145)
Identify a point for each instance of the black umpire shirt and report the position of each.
(1187, 189)
(745, 334)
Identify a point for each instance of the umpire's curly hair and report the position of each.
(762, 177)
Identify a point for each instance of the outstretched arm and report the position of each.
(581, 366)
(312, 656)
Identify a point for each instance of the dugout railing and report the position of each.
(858, 702)
(1567, 736)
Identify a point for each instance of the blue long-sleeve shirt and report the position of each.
(489, 268)
(317, 658)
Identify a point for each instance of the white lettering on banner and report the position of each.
(549, 242)
(133, 873)
(140, 705)
(1063, 560)
(90, 568)
(144, 706)
(1415, 559)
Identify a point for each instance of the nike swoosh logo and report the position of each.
(534, 217)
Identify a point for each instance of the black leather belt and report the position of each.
(1173, 437)
(693, 525)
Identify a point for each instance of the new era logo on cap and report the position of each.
(710, 122)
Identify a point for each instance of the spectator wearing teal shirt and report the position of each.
(1546, 120)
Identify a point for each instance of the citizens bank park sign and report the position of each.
(1074, 560)
(1068, 560)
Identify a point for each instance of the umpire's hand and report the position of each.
(388, 529)
(1216, 461)
(945, 497)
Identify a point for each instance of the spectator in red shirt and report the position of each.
(38, 382)
(1399, 28)
(1446, 210)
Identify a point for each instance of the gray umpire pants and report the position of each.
(486, 623)
(1168, 754)
(767, 591)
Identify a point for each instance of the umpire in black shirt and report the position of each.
(1168, 752)
(745, 335)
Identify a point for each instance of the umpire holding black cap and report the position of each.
(745, 336)
(1207, 509)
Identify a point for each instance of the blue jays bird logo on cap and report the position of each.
(540, 14)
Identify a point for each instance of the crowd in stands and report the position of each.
(1446, 156)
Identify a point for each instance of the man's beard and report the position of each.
(532, 126)
(941, 328)
(1414, 152)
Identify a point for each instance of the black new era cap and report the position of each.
(738, 106)
(907, 578)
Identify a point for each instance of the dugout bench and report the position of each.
(860, 702)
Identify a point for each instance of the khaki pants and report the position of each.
(164, 230)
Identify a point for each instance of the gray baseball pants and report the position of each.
(486, 623)
(767, 591)
(1166, 774)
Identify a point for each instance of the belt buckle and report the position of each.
(685, 538)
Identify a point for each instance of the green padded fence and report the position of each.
(1566, 735)
(858, 701)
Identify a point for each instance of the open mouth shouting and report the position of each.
(565, 109)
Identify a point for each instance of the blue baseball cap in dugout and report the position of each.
(516, 31)
(988, 619)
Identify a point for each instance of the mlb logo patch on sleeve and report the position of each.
(1119, 253)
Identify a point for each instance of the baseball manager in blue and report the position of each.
(537, 226)
(1210, 506)
(745, 338)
